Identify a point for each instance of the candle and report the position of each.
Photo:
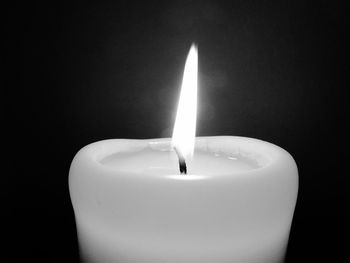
(186, 199)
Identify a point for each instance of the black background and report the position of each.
(78, 73)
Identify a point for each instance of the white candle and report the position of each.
(131, 204)
(235, 204)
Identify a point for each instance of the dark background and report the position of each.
(78, 73)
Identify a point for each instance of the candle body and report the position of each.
(131, 205)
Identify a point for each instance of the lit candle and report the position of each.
(233, 200)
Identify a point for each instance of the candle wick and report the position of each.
(182, 162)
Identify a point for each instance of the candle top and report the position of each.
(228, 155)
(164, 162)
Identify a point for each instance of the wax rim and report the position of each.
(272, 153)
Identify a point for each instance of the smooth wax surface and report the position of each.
(165, 162)
(235, 205)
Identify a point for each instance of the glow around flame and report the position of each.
(185, 124)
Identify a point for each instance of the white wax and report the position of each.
(165, 162)
(235, 204)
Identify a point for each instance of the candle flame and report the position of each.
(185, 124)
